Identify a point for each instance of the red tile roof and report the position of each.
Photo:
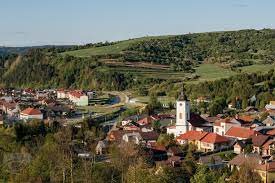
(240, 132)
(192, 135)
(218, 122)
(259, 140)
(214, 138)
(271, 132)
(246, 118)
(77, 94)
(31, 111)
(146, 120)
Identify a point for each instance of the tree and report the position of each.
(203, 175)
(166, 139)
(156, 125)
(248, 175)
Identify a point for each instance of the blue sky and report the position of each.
(40, 22)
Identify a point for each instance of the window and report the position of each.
(180, 115)
(217, 130)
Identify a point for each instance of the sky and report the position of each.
(66, 22)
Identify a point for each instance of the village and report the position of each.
(219, 141)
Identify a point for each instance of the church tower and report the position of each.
(182, 114)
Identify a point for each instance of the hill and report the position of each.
(111, 49)
(143, 61)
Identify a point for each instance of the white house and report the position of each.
(223, 125)
(31, 113)
(62, 94)
(78, 98)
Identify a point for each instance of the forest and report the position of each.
(235, 48)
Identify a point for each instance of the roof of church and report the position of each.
(197, 121)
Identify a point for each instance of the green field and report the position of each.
(206, 72)
(257, 68)
(111, 49)
(212, 72)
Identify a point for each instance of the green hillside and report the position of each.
(115, 48)
(144, 61)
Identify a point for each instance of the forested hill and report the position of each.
(234, 48)
(116, 65)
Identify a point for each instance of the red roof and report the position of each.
(192, 135)
(240, 132)
(214, 138)
(271, 132)
(218, 122)
(246, 118)
(77, 94)
(146, 120)
(31, 111)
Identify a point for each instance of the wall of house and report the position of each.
(206, 146)
(237, 149)
(28, 117)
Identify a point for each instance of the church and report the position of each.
(187, 121)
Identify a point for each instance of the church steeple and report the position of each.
(182, 96)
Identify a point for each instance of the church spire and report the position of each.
(182, 96)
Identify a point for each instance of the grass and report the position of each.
(257, 68)
(206, 72)
(111, 49)
(212, 72)
(162, 99)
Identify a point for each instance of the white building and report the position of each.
(62, 94)
(182, 116)
(223, 125)
(79, 98)
(31, 113)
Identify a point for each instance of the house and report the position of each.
(205, 141)
(78, 98)
(270, 106)
(258, 141)
(213, 142)
(267, 171)
(245, 118)
(269, 121)
(131, 126)
(212, 162)
(251, 110)
(116, 135)
(140, 137)
(268, 148)
(252, 159)
(31, 113)
(223, 125)
(211, 119)
(101, 147)
(148, 137)
(62, 94)
(10, 108)
(265, 168)
(239, 146)
(157, 151)
(240, 133)
(271, 133)
(146, 120)
(174, 151)
(192, 137)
